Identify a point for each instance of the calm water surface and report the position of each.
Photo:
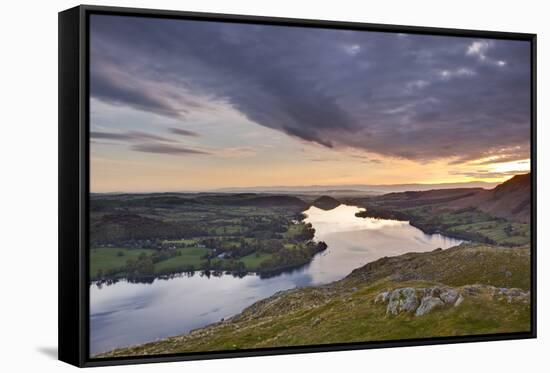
(126, 313)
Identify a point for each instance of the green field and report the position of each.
(503, 233)
(114, 260)
(253, 261)
(228, 230)
(190, 259)
(468, 224)
(293, 230)
(110, 258)
(183, 242)
(236, 233)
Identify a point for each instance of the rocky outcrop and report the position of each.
(428, 303)
(510, 295)
(514, 295)
(402, 300)
(418, 300)
(422, 301)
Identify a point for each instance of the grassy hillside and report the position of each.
(473, 289)
(510, 200)
(499, 216)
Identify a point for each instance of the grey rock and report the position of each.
(476, 289)
(513, 292)
(514, 295)
(434, 292)
(382, 297)
(428, 304)
(402, 300)
(459, 301)
(449, 296)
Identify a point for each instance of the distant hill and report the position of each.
(326, 203)
(101, 202)
(269, 201)
(510, 200)
(371, 189)
(365, 188)
(428, 197)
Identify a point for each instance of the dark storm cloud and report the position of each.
(180, 131)
(147, 142)
(409, 96)
(127, 136)
(160, 148)
(111, 85)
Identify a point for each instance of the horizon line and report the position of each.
(221, 189)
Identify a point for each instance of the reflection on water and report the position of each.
(126, 313)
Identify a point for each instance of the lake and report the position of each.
(125, 313)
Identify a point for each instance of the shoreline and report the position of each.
(319, 248)
(316, 247)
(377, 213)
(152, 278)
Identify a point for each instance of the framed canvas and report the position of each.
(237, 186)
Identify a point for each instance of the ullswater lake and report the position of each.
(125, 313)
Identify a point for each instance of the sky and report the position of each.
(180, 105)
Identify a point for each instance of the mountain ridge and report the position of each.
(510, 200)
(378, 188)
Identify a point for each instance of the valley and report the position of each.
(400, 265)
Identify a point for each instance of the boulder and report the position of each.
(514, 295)
(402, 300)
(428, 304)
(434, 292)
(422, 301)
(449, 296)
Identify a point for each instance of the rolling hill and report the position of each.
(510, 200)
(326, 203)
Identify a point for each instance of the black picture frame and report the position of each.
(74, 183)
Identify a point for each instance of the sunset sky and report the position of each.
(184, 105)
